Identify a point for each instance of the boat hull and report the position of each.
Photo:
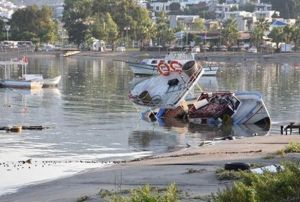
(22, 84)
(236, 108)
(53, 82)
(166, 91)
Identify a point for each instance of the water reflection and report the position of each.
(213, 131)
(153, 140)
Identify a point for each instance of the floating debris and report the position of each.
(18, 129)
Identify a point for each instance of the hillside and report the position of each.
(37, 2)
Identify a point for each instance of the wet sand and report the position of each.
(159, 171)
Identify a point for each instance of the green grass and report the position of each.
(148, 194)
(223, 174)
(267, 187)
(292, 147)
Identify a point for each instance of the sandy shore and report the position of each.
(162, 170)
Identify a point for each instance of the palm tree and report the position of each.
(261, 27)
(230, 32)
(276, 35)
(288, 34)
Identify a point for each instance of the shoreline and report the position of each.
(161, 170)
(136, 55)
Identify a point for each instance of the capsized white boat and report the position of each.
(216, 108)
(237, 108)
(168, 89)
(148, 66)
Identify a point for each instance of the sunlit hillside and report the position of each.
(38, 2)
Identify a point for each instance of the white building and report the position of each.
(267, 15)
(246, 20)
(263, 7)
(221, 9)
(158, 6)
(186, 20)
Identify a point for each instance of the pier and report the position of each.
(290, 127)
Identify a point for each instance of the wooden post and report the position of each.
(291, 127)
(281, 130)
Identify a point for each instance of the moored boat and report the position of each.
(23, 84)
(148, 66)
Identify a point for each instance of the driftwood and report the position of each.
(18, 129)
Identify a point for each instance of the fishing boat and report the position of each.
(169, 88)
(26, 81)
(166, 96)
(148, 66)
(215, 108)
(20, 82)
(49, 82)
(228, 107)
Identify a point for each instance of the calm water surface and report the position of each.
(91, 119)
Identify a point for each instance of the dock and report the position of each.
(70, 53)
(289, 127)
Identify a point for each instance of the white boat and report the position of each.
(215, 108)
(20, 82)
(27, 81)
(228, 107)
(210, 70)
(50, 82)
(148, 66)
(166, 90)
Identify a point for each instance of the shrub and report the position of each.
(148, 194)
(273, 187)
(223, 174)
(292, 148)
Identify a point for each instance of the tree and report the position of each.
(261, 27)
(77, 19)
(2, 27)
(165, 34)
(174, 7)
(288, 34)
(276, 35)
(32, 23)
(247, 7)
(230, 32)
(287, 8)
(296, 33)
(109, 20)
(111, 29)
(198, 25)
